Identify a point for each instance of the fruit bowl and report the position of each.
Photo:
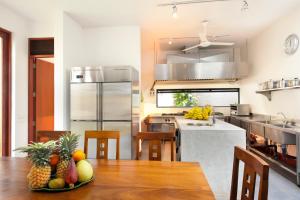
(57, 165)
(76, 185)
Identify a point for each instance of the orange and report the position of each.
(78, 155)
(54, 159)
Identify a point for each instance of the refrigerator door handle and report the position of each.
(99, 107)
(116, 120)
(97, 103)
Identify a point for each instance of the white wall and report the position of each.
(73, 55)
(113, 46)
(58, 73)
(41, 30)
(19, 28)
(268, 61)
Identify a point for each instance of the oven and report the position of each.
(160, 124)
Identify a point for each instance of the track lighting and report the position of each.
(174, 11)
(174, 4)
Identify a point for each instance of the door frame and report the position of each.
(31, 95)
(6, 92)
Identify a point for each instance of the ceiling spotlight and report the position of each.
(174, 11)
(170, 42)
(245, 6)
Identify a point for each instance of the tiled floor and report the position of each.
(279, 187)
(282, 189)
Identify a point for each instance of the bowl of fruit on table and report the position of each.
(57, 165)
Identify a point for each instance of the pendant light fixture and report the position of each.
(245, 6)
(174, 11)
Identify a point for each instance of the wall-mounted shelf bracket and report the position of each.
(268, 93)
(152, 90)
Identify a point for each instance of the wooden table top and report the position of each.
(115, 180)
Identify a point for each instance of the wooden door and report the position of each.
(5, 92)
(44, 95)
(1, 58)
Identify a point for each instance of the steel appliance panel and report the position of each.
(86, 74)
(125, 139)
(116, 101)
(79, 127)
(84, 101)
(117, 73)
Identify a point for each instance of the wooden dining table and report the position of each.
(123, 179)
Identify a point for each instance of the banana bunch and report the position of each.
(199, 113)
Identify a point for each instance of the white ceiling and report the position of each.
(224, 17)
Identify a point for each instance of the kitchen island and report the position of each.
(213, 147)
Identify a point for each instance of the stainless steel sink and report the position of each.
(279, 136)
(276, 123)
(276, 135)
(282, 125)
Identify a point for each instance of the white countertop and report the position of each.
(218, 126)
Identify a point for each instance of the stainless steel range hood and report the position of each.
(202, 65)
(227, 71)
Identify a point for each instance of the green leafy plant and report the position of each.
(184, 100)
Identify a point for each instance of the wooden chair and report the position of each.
(253, 165)
(102, 142)
(155, 139)
(45, 136)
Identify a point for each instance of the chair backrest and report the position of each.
(253, 165)
(155, 139)
(102, 142)
(45, 136)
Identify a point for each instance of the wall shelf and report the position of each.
(268, 93)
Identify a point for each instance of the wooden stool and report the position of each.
(45, 136)
(253, 165)
(155, 139)
(102, 142)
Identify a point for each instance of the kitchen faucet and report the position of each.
(285, 120)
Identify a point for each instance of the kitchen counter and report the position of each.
(218, 126)
(290, 137)
(258, 119)
(253, 118)
(213, 147)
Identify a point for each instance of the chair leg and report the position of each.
(85, 146)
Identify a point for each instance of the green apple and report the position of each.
(84, 170)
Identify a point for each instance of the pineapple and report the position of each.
(39, 155)
(67, 145)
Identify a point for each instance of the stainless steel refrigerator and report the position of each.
(106, 98)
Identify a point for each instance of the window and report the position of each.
(180, 98)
